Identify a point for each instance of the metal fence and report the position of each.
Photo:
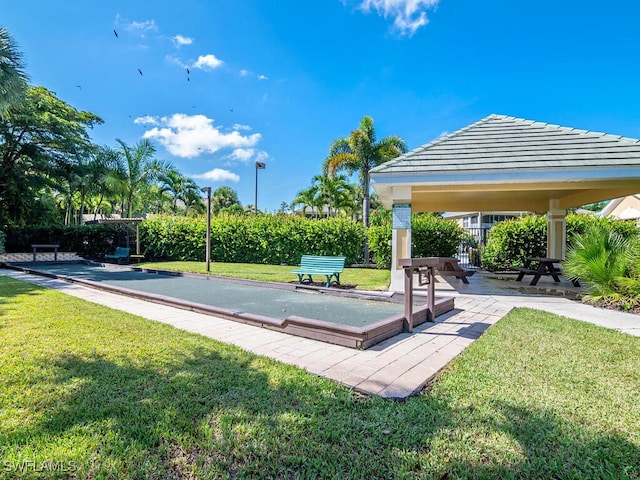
(469, 248)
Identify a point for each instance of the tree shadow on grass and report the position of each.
(547, 447)
(214, 411)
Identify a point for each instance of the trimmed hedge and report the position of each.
(510, 242)
(85, 240)
(431, 236)
(266, 239)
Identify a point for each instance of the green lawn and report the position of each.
(361, 278)
(105, 394)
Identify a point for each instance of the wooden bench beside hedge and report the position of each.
(330, 267)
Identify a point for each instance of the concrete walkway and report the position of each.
(396, 368)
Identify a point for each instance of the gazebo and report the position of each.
(507, 164)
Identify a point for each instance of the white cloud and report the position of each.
(146, 120)
(246, 154)
(218, 175)
(176, 60)
(242, 154)
(180, 40)
(188, 136)
(263, 77)
(239, 126)
(408, 15)
(244, 73)
(141, 27)
(207, 62)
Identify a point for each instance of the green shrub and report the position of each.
(608, 264)
(266, 239)
(85, 240)
(510, 242)
(431, 236)
(3, 236)
(379, 237)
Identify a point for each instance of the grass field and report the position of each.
(360, 278)
(90, 392)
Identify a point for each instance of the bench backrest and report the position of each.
(122, 251)
(324, 262)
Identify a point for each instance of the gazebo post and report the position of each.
(137, 239)
(400, 236)
(556, 230)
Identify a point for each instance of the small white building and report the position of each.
(484, 220)
(623, 208)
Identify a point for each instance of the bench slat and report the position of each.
(330, 266)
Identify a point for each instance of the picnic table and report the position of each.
(37, 246)
(545, 267)
(450, 266)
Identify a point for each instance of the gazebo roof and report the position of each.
(507, 163)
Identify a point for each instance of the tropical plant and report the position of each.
(13, 79)
(223, 198)
(104, 163)
(335, 193)
(41, 140)
(136, 170)
(180, 188)
(360, 152)
(608, 264)
(308, 198)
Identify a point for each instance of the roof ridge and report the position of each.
(567, 129)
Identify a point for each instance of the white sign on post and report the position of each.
(401, 213)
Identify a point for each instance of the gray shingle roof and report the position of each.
(499, 142)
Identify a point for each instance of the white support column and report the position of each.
(556, 231)
(401, 236)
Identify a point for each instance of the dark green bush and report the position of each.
(267, 239)
(3, 236)
(510, 242)
(85, 240)
(431, 236)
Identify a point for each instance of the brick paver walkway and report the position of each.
(395, 368)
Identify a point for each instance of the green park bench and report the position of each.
(320, 265)
(121, 255)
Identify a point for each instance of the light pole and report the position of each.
(208, 246)
(259, 166)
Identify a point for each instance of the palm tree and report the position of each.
(336, 193)
(223, 198)
(101, 173)
(179, 187)
(137, 169)
(359, 152)
(307, 198)
(13, 79)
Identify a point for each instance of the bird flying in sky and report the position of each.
(140, 71)
(115, 33)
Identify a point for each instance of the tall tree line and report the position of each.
(52, 172)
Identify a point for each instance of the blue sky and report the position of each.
(277, 80)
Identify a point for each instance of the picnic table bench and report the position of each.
(545, 267)
(55, 247)
(330, 267)
(121, 255)
(449, 266)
